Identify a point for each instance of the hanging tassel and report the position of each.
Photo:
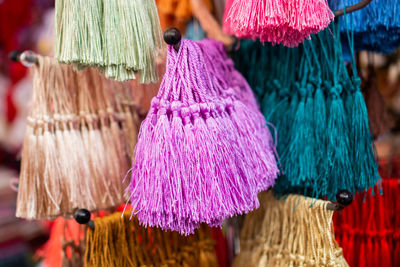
(120, 38)
(370, 224)
(74, 154)
(301, 149)
(201, 155)
(276, 21)
(117, 241)
(298, 234)
(361, 140)
(376, 26)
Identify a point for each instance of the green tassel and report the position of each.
(120, 38)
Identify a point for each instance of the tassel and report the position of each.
(362, 141)
(338, 144)
(276, 21)
(117, 241)
(120, 38)
(376, 27)
(201, 156)
(298, 234)
(329, 109)
(370, 221)
(74, 154)
(301, 147)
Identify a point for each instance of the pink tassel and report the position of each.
(286, 22)
(202, 155)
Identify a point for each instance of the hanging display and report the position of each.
(202, 154)
(324, 140)
(76, 147)
(120, 38)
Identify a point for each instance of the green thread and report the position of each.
(120, 38)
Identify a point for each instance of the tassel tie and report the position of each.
(201, 155)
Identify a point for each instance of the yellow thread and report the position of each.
(117, 241)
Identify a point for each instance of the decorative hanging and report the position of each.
(277, 21)
(293, 231)
(117, 241)
(76, 145)
(368, 229)
(120, 38)
(202, 155)
(376, 27)
(324, 140)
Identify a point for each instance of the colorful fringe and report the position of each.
(78, 143)
(293, 231)
(286, 22)
(120, 38)
(376, 27)
(203, 154)
(324, 140)
(369, 229)
(117, 241)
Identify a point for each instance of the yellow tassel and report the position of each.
(119, 241)
(293, 231)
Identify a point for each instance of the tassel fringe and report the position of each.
(293, 231)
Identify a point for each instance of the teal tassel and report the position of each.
(361, 140)
(324, 143)
(299, 160)
(339, 168)
(287, 122)
(319, 123)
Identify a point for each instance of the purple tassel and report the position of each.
(202, 154)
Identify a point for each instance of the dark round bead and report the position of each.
(14, 55)
(172, 36)
(344, 197)
(82, 216)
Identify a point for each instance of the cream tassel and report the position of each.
(293, 231)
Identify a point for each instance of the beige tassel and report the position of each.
(117, 241)
(293, 231)
(75, 150)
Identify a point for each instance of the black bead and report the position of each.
(82, 216)
(14, 55)
(172, 36)
(344, 197)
